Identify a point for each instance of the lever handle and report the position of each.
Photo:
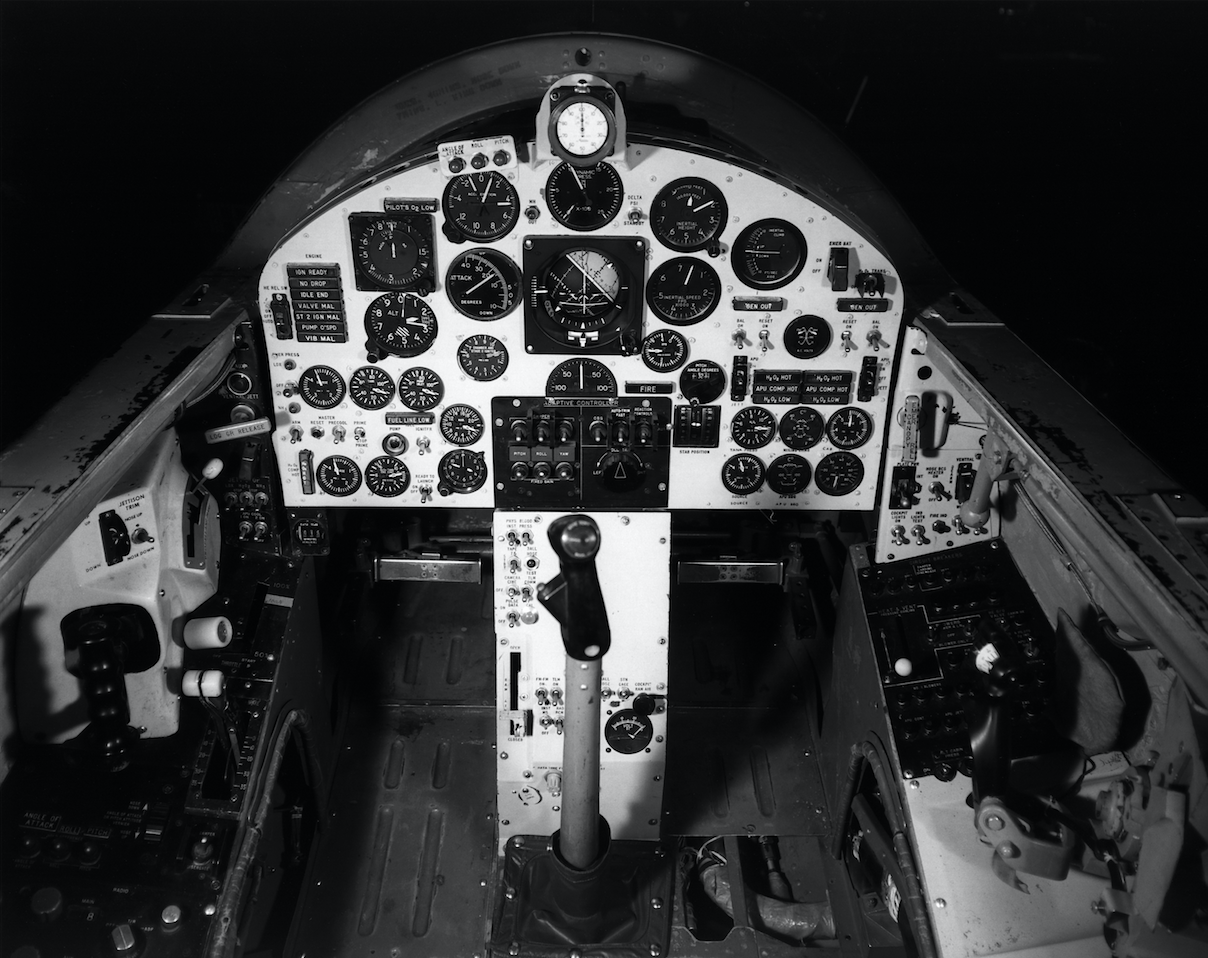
(573, 597)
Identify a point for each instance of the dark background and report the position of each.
(1050, 154)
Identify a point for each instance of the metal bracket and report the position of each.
(731, 571)
(1019, 846)
(426, 567)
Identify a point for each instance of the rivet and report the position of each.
(656, 903)
(914, 783)
(1008, 850)
(940, 903)
(514, 949)
(503, 755)
(510, 894)
(995, 823)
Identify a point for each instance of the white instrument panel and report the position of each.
(863, 338)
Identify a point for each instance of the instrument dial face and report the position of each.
(582, 127)
(461, 470)
(338, 476)
(807, 336)
(420, 388)
(702, 381)
(482, 206)
(584, 198)
(482, 357)
(483, 284)
(462, 425)
(664, 350)
(839, 473)
(768, 254)
(688, 214)
(683, 291)
(742, 474)
(849, 427)
(628, 731)
(400, 324)
(391, 252)
(321, 387)
(801, 427)
(753, 427)
(788, 474)
(583, 289)
(581, 379)
(371, 387)
(387, 477)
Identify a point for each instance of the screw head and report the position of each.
(1007, 850)
(995, 823)
(514, 949)
(940, 903)
(510, 894)
(656, 903)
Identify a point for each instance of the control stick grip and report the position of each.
(574, 597)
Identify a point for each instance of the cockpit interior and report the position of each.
(577, 516)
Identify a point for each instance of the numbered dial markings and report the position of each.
(461, 471)
(584, 198)
(321, 387)
(481, 206)
(371, 387)
(753, 427)
(392, 252)
(483, 284)
(839, 473)
(683, 291)
(582, 127)
(628, 731)
(801, 427)
(387, 477)
(788, 474)
(338, 476)
(462, 425)
(849, 427)
(581, 379)
(420, 388)
(688, 214)
(664, 350)
(400, 324)
(482, 357)
(742, 474)
(768, 254)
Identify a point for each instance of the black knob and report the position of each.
(519, 470)
(47, 904)
(644, 704)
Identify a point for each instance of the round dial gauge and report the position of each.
(688, 214)
(321, 387)
(338, 476)
(482, 206)
(400, 324)
(420, 388)
(702, 381)
(482, 357)
(582, 126)
(584, 198)
(839, 473)
(664, 350)
(849, 427)
(392, 253)
(371, 387)
(807, 336)
(581, 379)
(801, 427)
(386, 476)
(628, 731)
(752, 427)
(483, 284)
(461, 425)
(461, 470)
(742, 474)
(768, 254)
(583, 289)
(788, 475)
(683, 291)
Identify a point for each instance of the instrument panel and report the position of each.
(659, 328)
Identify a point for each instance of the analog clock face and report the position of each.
(582, 127)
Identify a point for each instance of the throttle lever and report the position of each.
(573, 597)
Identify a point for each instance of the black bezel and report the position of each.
(481, 236)
(755, 283)
(424, 279)
(600, 98)
(656, 220)
(581, 226)
(670, 320)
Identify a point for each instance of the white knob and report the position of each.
(213, 632)
(198, 683)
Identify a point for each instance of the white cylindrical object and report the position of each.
(203, 683)
(213, 632)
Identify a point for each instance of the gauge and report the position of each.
(807, 336)
(849, 427)
(584, 198)
(839, 473)
(742, 474)
(482, 357)
(338, 476)
(371, 387)
(462, 425)
(788, 475)
(664, 350)
(321, 387)
(483, 284)
(753, 427)
(584, 290)
(702, 381)
(387, 476)
(461, 470)
(801, 427)
(400, 324)
(481, 206)
(391, 252)
(768, 254)
(420, 388)
(581, 379)
(683, 291)
(582, 127)
(688, 214)
(628, 731)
